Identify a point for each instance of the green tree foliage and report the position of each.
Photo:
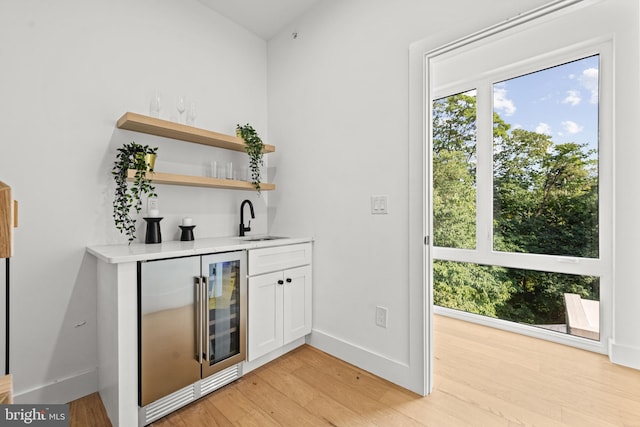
(545, 195)
(470, 287)
(454, 171)
(454, 198)
(545, 202)
(463, 286)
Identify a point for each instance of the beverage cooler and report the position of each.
(192, 329)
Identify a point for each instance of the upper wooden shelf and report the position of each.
(200, 181)
(154, 126)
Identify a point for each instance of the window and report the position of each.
(545, 161)
(454, 171)
(516, 205)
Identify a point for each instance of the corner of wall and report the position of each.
(624, 355)
(377, 364)
(62, 391)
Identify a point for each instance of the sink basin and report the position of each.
(261, 238)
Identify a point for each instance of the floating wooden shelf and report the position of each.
(200, 181)
(154, 126)
(6, 390)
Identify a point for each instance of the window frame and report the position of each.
(441, 64)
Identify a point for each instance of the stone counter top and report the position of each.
(115, 254)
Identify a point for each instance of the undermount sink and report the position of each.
(261, 238)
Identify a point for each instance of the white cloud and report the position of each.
(501, 102)
(572, 127)
(589, 80)
(573, 98)
(543, 128)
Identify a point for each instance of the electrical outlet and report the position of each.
(381, 316)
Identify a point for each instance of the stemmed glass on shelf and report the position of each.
(154, 106)
(181, 108)
(191, 114)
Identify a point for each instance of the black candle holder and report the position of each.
(153, 230)
(187, 232)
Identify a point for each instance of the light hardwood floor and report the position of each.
(482, 377)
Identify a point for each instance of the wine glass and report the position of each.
(181, 108)
(191, 114)
(154, 106)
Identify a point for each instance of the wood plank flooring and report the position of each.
(482, 377)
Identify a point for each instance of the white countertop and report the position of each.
(114, 254)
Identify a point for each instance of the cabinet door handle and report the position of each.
(288, 279)
(280, 282)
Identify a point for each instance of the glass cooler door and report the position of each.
(225, 310)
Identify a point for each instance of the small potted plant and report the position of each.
(141, 159)
(254, 148)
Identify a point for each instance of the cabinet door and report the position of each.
(297, 303)
(265, 314)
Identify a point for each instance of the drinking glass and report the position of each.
(214, 169)
(154, 106)
(191, 114)
(181, 108)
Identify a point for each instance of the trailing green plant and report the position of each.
(254, 148)
(131, 156)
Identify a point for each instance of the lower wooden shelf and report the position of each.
(6, 390)
(201, 181)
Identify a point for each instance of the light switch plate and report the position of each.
(379, 205)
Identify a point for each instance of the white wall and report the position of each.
(69, 70)
(625, 342)
(338, 109)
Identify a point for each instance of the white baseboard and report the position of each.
(62, 391)
(624, 355)
(262, 360)
(377, 364)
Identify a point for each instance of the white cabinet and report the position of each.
(117, 309)
(279, 297)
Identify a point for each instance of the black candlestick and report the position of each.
(153, 230)
(187, 232)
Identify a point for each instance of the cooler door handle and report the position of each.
(205, 320)
(198, 315)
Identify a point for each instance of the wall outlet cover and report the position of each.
(381, 316)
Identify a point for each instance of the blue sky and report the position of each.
(561, 101)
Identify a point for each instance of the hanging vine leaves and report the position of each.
(254, 148)
(131, 156)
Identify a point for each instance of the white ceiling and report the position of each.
(262, 17)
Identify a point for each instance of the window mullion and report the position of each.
(484, 172)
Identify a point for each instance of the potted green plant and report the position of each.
(141, 159)
(254, 148)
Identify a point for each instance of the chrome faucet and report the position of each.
(242, 227)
